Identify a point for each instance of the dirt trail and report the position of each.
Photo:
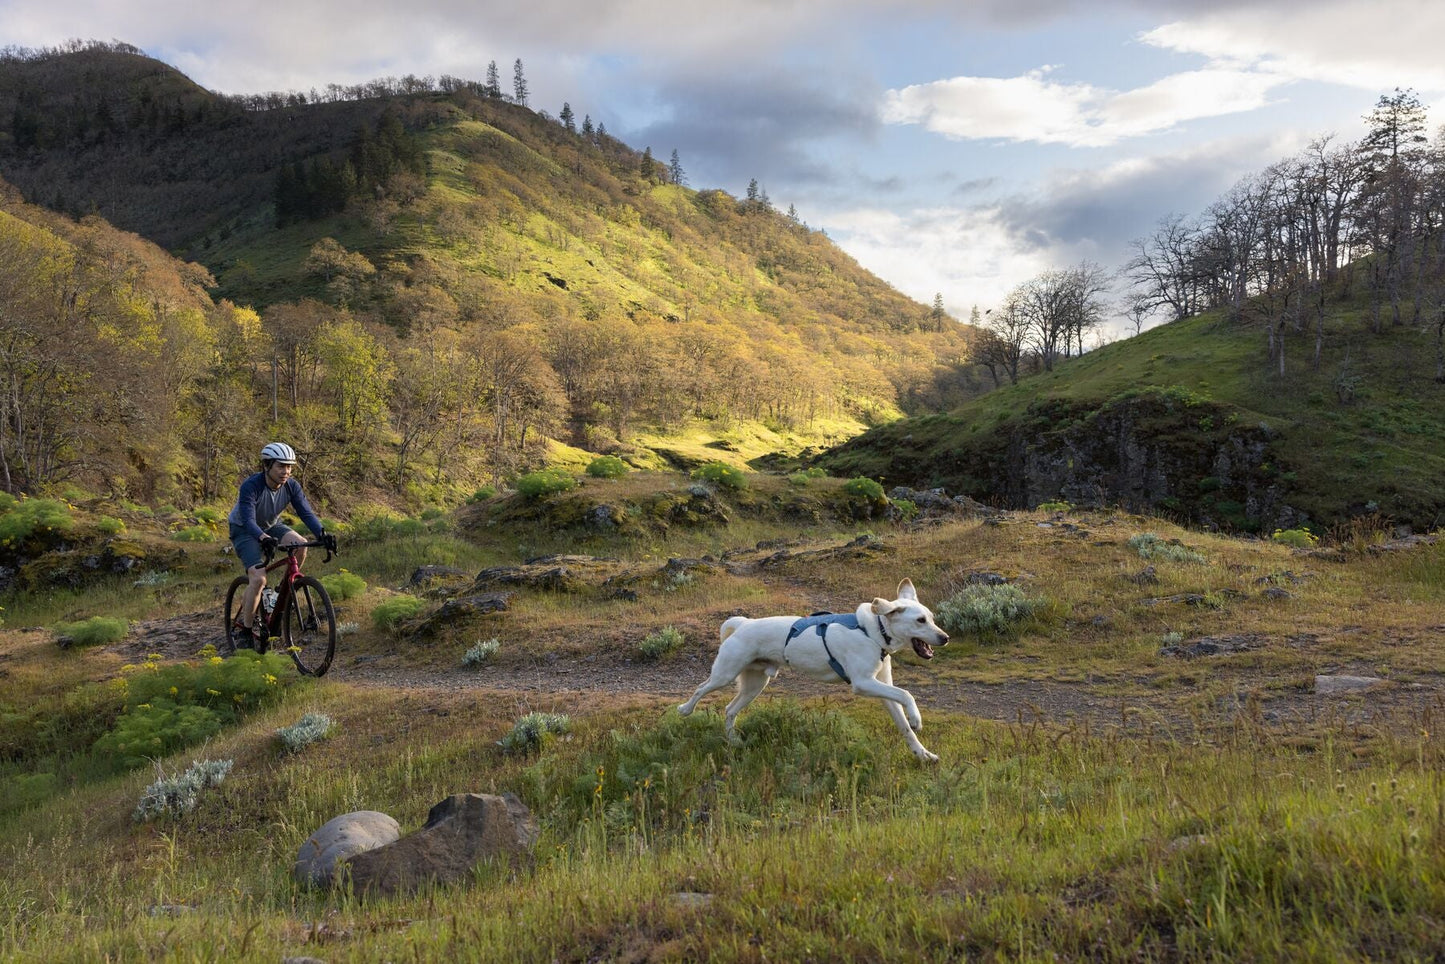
(1011, 701)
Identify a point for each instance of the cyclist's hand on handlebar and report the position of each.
(329, 541)
(268, 545)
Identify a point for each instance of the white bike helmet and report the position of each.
(279, 452)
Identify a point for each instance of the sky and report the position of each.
(953, 147)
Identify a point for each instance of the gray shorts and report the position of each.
(248, 547)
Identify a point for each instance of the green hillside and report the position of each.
(428, 255)
(1193, 418)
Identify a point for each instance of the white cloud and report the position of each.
(1033, 108)
(1375, 46)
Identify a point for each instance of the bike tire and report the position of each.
(234, 595)
(309, 631)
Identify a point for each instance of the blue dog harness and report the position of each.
(821, 622)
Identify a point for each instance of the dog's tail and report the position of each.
(730, 627)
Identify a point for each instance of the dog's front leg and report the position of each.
(895, 710)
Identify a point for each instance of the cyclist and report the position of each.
(254, 529)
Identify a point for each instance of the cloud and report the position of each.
(1034, 108)
(1375, 46)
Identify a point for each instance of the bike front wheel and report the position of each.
(309, 631)
(237, 640)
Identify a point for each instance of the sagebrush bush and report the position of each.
(176, 796)
(533, 730)
(95, 631)
(390, 614)
(723, 474)
(480, 652)
(661, 643)
(110, 525)
(985, 611)
(1151, 546)
(27, 517)
(305, 731)
(343, 585)
(545, 482)
(607, 467)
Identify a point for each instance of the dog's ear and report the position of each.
(906, 591)
(882, 607)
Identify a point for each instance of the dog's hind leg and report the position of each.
(730, 662)
(751, 681)
(895, 710)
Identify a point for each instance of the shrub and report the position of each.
(178, 795)
(431, 513)
(343, 585)
(907, 509)
(1172, 638)
(863, 487)
(195, 534)
(110, 525)
(1055, 506)
(607, 467)
(661, 643)
(27, 517)
(723, 474)
(391, 613)
(799, 479)
(480, 652)
(209, 516)
(95, 631)
(1296, 538)
(987, 611)
(481, 495)
(545, 482)
(532, 732)
(1150, 546)
(816, 472)
(305, 731)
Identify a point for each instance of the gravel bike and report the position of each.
(298, 611)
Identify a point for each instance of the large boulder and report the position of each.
(460, 832)
(340, 838)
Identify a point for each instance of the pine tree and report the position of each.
(519, 84)
(587, 130)
(675, 171)
(647, 165)
(937, 314)
(567, 118)
(494, 81)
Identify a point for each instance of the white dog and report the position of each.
(854, 648)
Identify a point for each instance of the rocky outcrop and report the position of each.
(460, 832)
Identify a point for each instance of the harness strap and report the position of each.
(821, 622)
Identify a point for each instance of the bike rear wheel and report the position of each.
(309, 631)
(236, 640)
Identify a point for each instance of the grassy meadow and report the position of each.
(1095, 800)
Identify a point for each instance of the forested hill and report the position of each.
(438, 220)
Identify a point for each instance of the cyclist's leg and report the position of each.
(248, 550)
(287, 536)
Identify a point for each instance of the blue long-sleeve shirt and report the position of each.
(258, 507)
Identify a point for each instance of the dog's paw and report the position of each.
(915, 723)
(684, 709)
(924, 756)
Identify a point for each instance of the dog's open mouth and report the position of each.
(922, 648)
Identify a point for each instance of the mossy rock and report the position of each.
(74, 568)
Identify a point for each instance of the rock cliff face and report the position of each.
(1148, 451)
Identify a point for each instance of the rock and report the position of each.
(1148, 576)
(1275, 592)
(464, 607)
(339, 839)
(985, 579)
(544, 577)
(424, 576)
(1213, 646)
(461, 831)
(1330, 685)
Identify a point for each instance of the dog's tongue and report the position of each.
(922, 649)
